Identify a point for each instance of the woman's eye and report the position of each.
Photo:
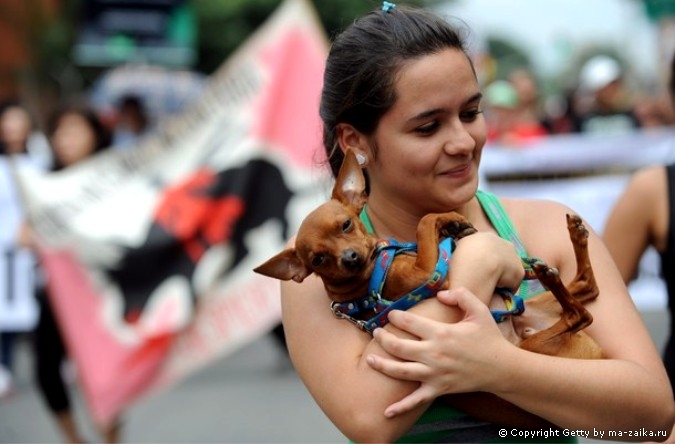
(347, 225)
(427, 129)
(470, 116)
(318, 260)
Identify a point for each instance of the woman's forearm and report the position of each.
(603, 394)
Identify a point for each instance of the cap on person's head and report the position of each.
(502, 94)
(598, 72)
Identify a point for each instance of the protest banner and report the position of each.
(149, 251)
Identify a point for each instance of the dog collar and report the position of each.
(373, 301)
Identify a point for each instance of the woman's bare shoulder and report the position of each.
(542, 227)
(536, 214)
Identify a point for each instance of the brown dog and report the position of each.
(333, 243)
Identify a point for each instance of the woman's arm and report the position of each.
(329, 354)
(627, 391)
(635, 221)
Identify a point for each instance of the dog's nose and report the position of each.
(351, 260)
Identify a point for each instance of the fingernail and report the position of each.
(370, 359)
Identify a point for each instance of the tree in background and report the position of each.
(38, 66)
(224, 25)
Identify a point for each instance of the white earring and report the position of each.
(361, 158)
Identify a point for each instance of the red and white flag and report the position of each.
(149, 251)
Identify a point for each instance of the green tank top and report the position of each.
(441, 423)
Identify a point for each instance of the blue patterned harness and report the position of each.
(373, 301)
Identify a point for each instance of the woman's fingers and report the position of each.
(425, 393)
(463, 299)
(403, 349)
(416, 325)
(405, 370)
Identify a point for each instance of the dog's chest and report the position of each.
(403, 277)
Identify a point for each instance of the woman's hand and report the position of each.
(447, 358)
(25, 237)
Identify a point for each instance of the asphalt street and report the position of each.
(251, 396)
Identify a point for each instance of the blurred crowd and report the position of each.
(601, 102)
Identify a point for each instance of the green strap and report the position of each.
(505, 229)
(500, 220)
(366, 221)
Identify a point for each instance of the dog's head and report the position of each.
(332, 242)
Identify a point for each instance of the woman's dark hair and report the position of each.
(102, 135)
(362, 65)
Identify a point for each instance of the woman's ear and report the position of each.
(351, 138)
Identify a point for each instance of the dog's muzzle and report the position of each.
(352, 260)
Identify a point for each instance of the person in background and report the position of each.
(18, 134)
(508, 121)
(607, 109)
(131, 121)
(500, 108)
(643, 217)
(529, 116)
(402, 93)
(560, 112)
(653, 111)
(75, 133)
(17, 138)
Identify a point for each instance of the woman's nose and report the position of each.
(459, 141)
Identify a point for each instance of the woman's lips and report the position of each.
(459, 171)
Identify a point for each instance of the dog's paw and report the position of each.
(457, 230)
(548, 276)
(578, 231)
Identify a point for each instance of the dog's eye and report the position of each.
(347, 225)
(318, 260)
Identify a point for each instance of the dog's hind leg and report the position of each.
(574, 316)
(583, 287)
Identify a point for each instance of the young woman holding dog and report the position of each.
(401, 91)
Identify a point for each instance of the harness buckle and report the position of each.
(341, 315)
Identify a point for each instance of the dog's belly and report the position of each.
(540, 313)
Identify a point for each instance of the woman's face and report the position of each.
(15, 128)
(73, 140)
(430, 142)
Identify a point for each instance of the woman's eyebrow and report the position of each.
(425, 114)
(475, 98)
(432, 112)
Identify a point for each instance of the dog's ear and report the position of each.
(285, 266)
(350, 185)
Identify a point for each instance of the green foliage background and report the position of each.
(224, 25)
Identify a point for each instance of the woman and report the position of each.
(17, 138)
(400, 90)
(18, 135)
(75, 134)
